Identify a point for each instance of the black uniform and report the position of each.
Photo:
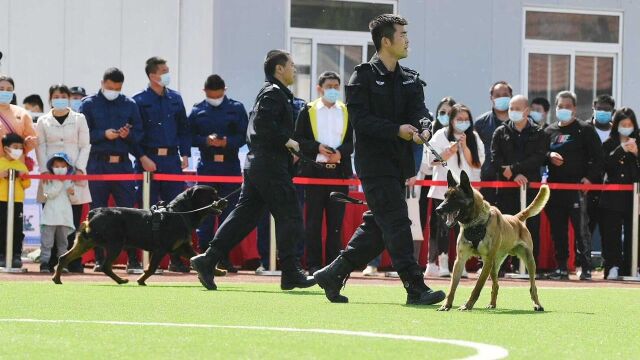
(379, 101)
(525, 152)
(485, 126)
(267, 177)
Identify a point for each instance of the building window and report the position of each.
(336, 15)
(544, 25)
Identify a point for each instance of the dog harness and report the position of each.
(476, 233)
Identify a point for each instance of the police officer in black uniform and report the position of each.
(267, 180)
(385, 103)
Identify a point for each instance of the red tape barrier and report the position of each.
(316, 181)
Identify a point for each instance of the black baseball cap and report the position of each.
(78, 90)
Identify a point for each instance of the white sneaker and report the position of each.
(260, 269)
(392, 274)
(432, 270)
(443, 260)
(613, 273)
(370, 271)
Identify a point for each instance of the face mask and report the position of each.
(59, 171)
(215, 102)
(14, 153)
(110, 94)
(60, 104)
(515, 116)
(165, 79)
(443, 119)
(602, 117)
(502, 103)
(75, 104)
(6, 97)
(536, 116)
(331, 95)
(564, 115)
(625, 131)
(462, 126)
(35, 115)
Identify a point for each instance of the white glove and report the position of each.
(292, 144)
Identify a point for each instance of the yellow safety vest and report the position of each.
(313, 117)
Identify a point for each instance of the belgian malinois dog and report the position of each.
(486, 232)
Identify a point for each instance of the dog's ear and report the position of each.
(465, 184)
(451, 181)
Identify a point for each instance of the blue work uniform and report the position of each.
(229, 120)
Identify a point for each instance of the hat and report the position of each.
(78, 90)
(60, 156)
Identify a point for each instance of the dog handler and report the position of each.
(385, 102)
(267, 180)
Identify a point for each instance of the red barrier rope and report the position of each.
(316, 181)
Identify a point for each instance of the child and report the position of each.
(13, 147)
(57, 215)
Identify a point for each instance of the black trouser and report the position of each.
(76, 264)
(611, 222)
(318, 202)
(509, 203)
(267, 185)
(564, 205)
(385, 226)
(439, 233)
(18, 234)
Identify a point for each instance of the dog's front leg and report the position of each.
(486, 269)
(458, 267)
(154, 261)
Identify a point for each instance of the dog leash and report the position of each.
(426, 125)
(200, 209)
(305, 158)
(340, 197)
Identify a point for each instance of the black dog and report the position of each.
(163, 231)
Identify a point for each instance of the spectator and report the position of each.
(539, 111)
(621, 166)
(33, 104)
(57, 222)
(63, 130)
(165, 136)
(13, 147)
(14, 119)
(115, 129)
(518, 150)
(325, 134)
(461, 147)
(500, 94)
(218, 127)
(575, 156)
(77, 94)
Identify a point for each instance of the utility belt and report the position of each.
(161, 151)
(111, 158)
(217, 157)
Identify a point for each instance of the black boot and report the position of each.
(333, 277)
(293, 276)
(205, 264)
(418, 293)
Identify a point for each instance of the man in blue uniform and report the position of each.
(218, 128)
(115, 129)
(166, 140)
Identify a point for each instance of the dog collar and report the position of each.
(477, 232)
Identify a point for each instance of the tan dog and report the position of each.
(486, 232)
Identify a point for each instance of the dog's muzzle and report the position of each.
(448, 216)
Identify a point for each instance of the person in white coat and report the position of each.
(460, 146)
(64, 130)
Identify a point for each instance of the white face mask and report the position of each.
(215, 102)
(59, 171)
(110, 94)
(14, 153)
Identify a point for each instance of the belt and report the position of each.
(162, 151)
(329, 166)
(111, 158)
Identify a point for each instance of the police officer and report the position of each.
(218, 127)
(267, 181)
(385, 103)
(165, 136)
(115, 129)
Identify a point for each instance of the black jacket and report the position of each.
(620, 167)
(525, 160)
(485, 126)
(379, 101)
(309, 146)
(580, 147)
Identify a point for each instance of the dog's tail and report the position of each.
(537, 205)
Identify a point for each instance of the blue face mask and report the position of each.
(536, 116)
(165, 79)
(331, 95)
(516, 116)
(625, 131)
(564, 115)
(462, 126)
(502, 103)
(602, 117)
(443, 119)
(75, 104)
(6, 97)
(60, 104)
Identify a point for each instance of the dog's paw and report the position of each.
(444, 308)
(465, 307)
(219, 272)
(538, 308)
(142, 283)
(123, 281)
(56, 280)
(491, 306)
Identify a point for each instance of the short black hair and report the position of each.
(214, 82)
(153, 63)
(12, 138)
(501, 82)
(35, 100)
(113, 74)
(273, 59)
(328, 75)
(8, 79)
(384, 26)
(61, 88)
(605, 99)
(566, 94)
(542, 102)
(78, 90)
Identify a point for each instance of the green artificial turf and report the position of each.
(602, 323)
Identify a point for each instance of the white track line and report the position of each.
(484, 351)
